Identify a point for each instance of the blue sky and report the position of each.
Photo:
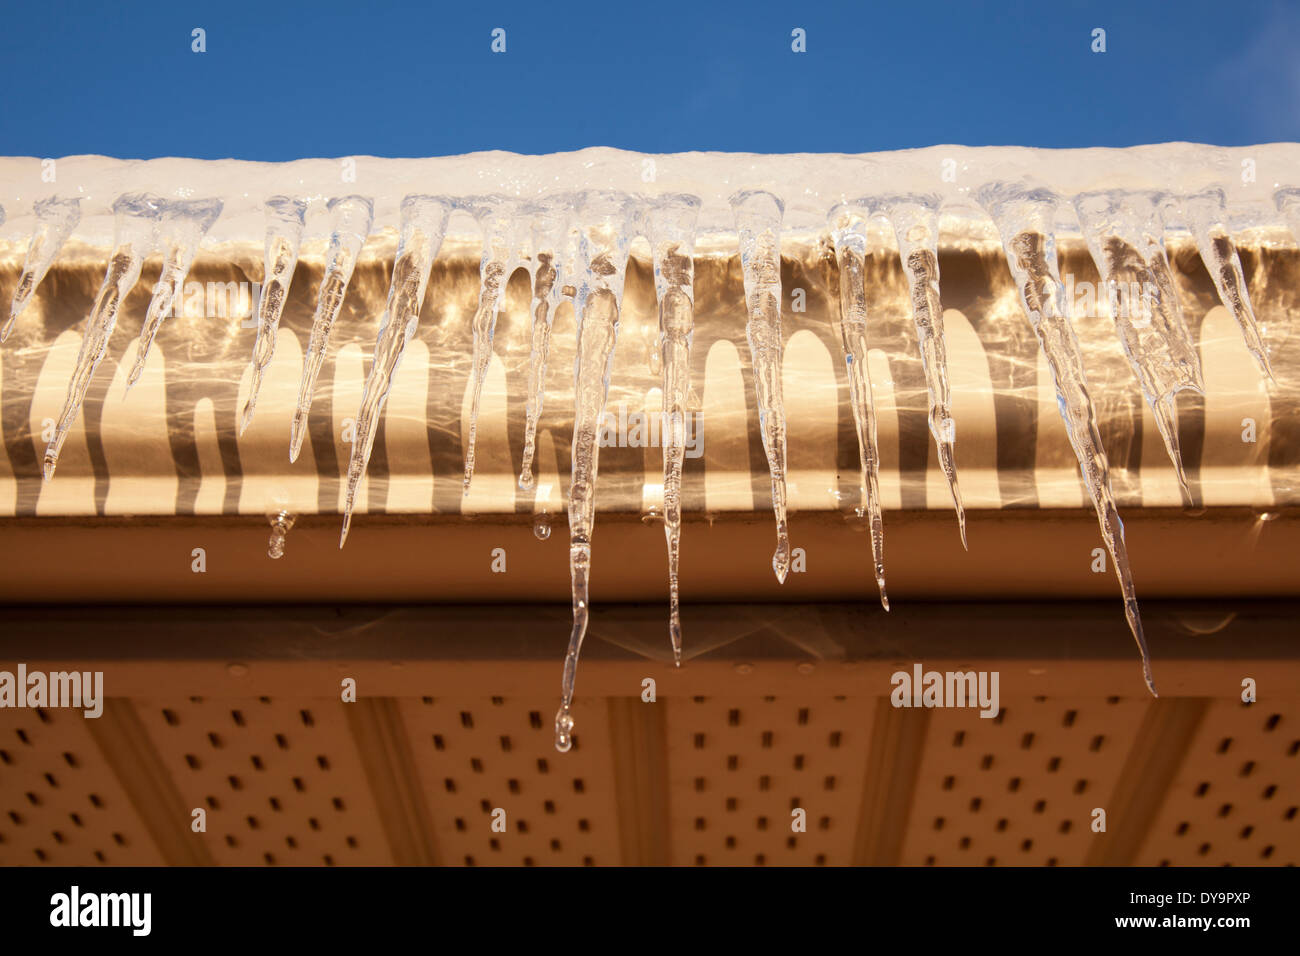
(419, 79)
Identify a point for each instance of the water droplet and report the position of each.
(563, 730)
(281, 522)
(542, 527)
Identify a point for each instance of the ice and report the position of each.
(352, 218)
(916, 226)
(1125, 234)
(284, 223)
(550, 229)
(758, 223)
(605, 220)
(135, 234)
(502, 253)
(670, 225)
(848, 231)
(1208, 217)
(424, 223)
(182, 226)
(281, 523)
(1025, 217)
(55, 220)
(1287, 200)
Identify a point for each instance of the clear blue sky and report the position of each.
(281, 81)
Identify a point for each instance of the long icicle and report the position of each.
(182, 226)
(498, 218)
(1126, 238)
(423, 225)
(135, 234)
(671, 226)
(916, 226)
(55, 220)
(284, 224)
(848, 230)
(352, 219)
(1025, 219)
(550, 229)
(605, 219)
(1207, 215)
(758, 223)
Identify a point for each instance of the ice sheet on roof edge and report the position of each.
(809, 183)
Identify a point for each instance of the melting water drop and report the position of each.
(916, 226)
(352, 218)
(182, 226)
(498, 218)
(849, 233)
(758, 222)
(605, 219)
(1125, 235)
(134, 238)
(283, 237)
(55, 220)
(1208, 218)
(281, 522)
(1025, 218)
(550, 230)
(542, 526)
(423, 223)
(671, 222)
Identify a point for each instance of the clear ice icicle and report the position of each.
(1287, 200)
(182, 226)
(424, 222)
(670, 224)
(284, 223)
(605, 218)
(758, 222)
(498, 218)
(1125, 235)
(1207, 215)
(848, 230)
(1025, 218)
(55, 220)
(352, 218)
(550, 232)
(916, 225)
(135, 234)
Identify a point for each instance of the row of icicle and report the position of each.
(575, 246)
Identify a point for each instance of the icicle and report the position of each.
(55, 220)
(281, 523)
(605, 218)
(1287, 200)
(550, 231)
(182, 226)
(1126, 237)
(916, 225)
(758, 222)
(1207, 215)
(1025, 219)
(424, 222)
(498, 218)
(352, 218)
(135, 234)
(849, 234)
(671, 227)
(283, 237)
